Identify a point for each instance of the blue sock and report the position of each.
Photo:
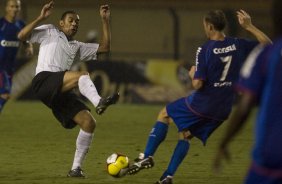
(2, 103)
(156, 136)
(179, 154)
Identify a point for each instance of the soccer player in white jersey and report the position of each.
(53, 82)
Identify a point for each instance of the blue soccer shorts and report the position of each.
(185, 119)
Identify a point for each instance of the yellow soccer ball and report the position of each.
(117, 165)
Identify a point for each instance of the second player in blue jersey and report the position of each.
(217, 67)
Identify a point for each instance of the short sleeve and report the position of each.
(88, 51)
(252, 74)
(201, 67)
(20, 24)
(40, 33)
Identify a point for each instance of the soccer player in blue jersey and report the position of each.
(217, 68)
(10, 26)
(261, 84)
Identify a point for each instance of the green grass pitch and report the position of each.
(35, 149)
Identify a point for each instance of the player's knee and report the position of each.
(74, 81)
(91, 123)
(88, 124)
(83, 73)
(80, 74)
(163, 117)
(86, 121)
(185, 135)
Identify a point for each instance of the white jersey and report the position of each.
(56, 53)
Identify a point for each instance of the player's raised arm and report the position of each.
(245, 21)
(105, 43)
(45, 13)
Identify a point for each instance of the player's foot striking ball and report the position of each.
(145, 163)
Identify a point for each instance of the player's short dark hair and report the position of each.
(277, 17)
(67, 12)
(217, 19)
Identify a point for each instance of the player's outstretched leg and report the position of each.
(144, 163)
(156, 137)
(106, 102)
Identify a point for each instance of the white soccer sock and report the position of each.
(83, 142)
(88, 89)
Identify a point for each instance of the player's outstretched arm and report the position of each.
(245, 21)
(105, 43)
(235, 124)
(45, 13)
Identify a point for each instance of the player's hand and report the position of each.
(221, 154)
(192, 72)
(47, 10)
(29, 50)
(244, 19)
(105, 12)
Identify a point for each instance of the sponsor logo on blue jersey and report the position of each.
(224, 50)
(197, 57)
(6, 43)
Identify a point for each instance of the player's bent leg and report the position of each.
(87, 125)
(88, 89)
(3, 99)
(71, 78)
(156, 137)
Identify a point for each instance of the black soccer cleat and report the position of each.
(105, 102)
(76, 173)
(145, 163)
(166, 180)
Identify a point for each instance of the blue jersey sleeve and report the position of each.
(252, 74)
(201, 65)
(20, 24)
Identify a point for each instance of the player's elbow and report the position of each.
(21, 36)
(104, 48)
(197, 84)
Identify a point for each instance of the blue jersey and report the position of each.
(9, 44)
(262, 77)
(218, 64)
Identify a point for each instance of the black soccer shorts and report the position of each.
(47, 87)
